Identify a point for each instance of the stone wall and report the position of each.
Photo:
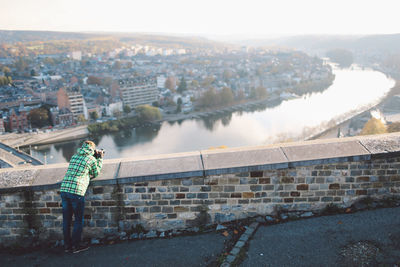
(181, 191)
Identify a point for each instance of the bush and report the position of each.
(373, 126)
(113, 126)
(148, 113)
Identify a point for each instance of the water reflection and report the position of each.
(59, 152)
(135, 136)
(68, 149)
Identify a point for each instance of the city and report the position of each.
(77, 87)
(216, 133)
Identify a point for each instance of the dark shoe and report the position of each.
(67, 249)
(79, 249)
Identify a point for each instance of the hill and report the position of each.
(320, 44)
(25, 43)
(13, 37)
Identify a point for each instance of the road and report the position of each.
(366, 238)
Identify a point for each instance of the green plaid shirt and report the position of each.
(82, 167)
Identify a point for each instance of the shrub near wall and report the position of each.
(195, 189)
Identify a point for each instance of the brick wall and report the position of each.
(34, 214)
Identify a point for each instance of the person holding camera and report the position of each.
(84, 165)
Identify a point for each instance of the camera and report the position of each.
(99, 153)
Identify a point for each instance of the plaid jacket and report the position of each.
(82, 167)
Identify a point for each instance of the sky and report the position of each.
(205, 17)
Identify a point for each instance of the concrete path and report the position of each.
(196, 250)
(366, 238)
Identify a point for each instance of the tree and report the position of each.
(261, 92)
(208, 99)
(107, 81)
(179, 106)
(6, 71)
(81, 118)
(5, 80)
(117, 113)
(48, 61)
(94, 116)
(253, 93)
(21, 64)
(127, 109)
(226, 96)
(341, 56)
(240, 95)
(394, 127)
(373, 126)
(94, 80)
(182, 85)
(227, 75)
(195, 83)
(169, 83)
(148, 113)
(208, 81)
(39, 117)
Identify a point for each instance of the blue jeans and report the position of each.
(72, 204)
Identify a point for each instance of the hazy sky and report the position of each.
(216, 17)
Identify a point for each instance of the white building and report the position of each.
(167, 52)
(181, 51)
(161, 81)
(139, 91)
(76, 55)
(114, 107)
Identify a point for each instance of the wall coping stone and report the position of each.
(210, 162)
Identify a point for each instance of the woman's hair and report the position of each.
(91, 143)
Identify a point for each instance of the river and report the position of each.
(352, 91)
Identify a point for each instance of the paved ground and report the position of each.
(197, 250)
(365, 238)
(368, 238)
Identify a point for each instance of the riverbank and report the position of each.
(343, 128)
(61, 135)
(253, 125)
(218, 111)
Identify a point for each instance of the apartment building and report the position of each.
(139, 91)
(73, 101)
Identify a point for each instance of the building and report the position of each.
(62, 116)
(139, 91)
(161, 81)
(76, 55)
(92, 108)
(17, 119)
(113, 108)
(73, 101)
(2, 129)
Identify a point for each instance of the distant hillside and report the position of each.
(34, 37)
(12, 37)
(389, 43)
(183, 41)
(319, 44)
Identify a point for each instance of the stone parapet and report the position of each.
(179, 191)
